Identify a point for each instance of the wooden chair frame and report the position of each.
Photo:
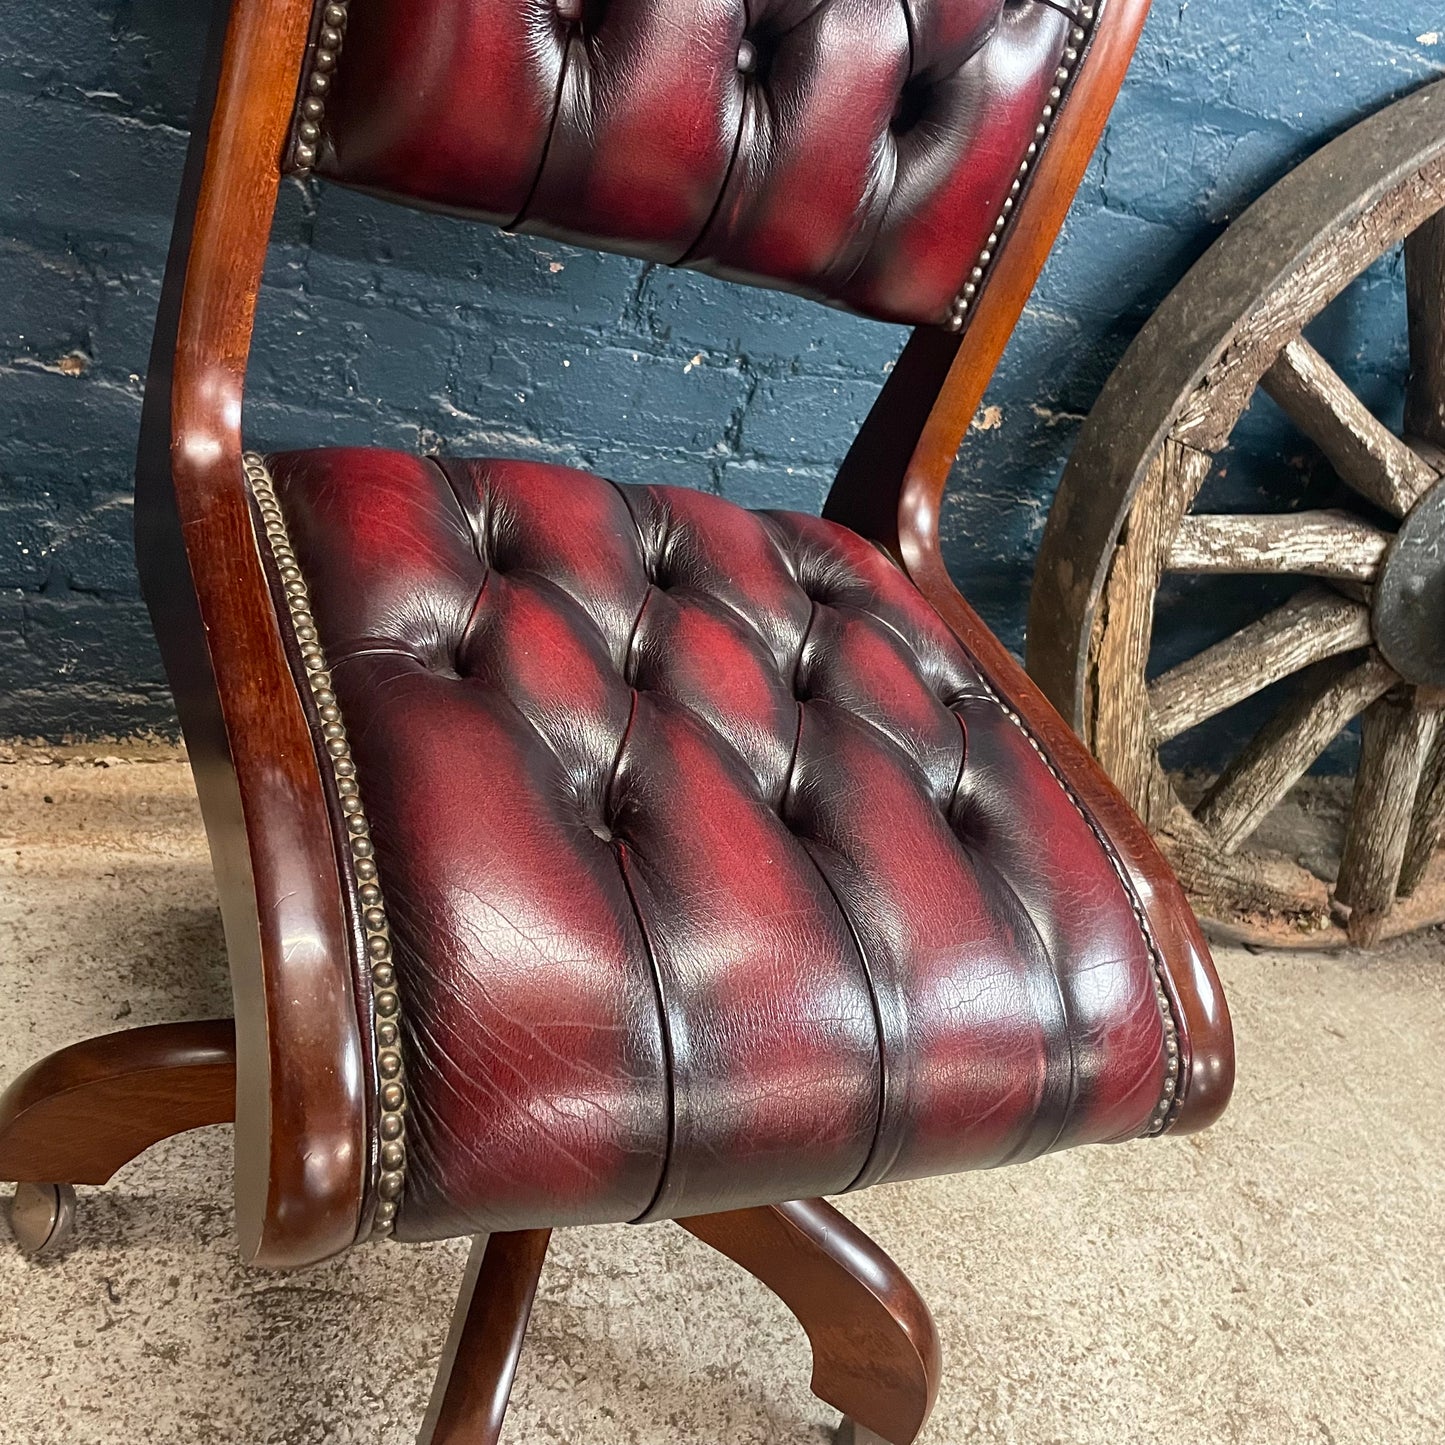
(296, 1071)
(301, 1116)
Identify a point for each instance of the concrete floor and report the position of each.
(1280, 1279)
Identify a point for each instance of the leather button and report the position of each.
(525, 115)
(775, 903)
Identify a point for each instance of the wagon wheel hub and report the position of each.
(1409, 607)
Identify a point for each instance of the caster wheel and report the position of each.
(42, 1217)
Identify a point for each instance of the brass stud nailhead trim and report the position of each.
(327, 51)
(1168, 1106)
(385, 1005)
(303, 156)
(317, 86)
(1171, 1099)
(1078, 34)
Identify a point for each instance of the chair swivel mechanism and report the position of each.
(591, 851)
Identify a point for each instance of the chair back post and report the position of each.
(891, 483)
(303, 1147)
(890, 488)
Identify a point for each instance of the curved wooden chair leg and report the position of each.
(875, 1347)
(81, 1113)
(479, 1361)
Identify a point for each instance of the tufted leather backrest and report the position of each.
(869, 153)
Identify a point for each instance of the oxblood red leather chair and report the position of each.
(595, 852)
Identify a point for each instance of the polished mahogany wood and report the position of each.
(876, 1354)
(302, 1150)
(479, 1361)
(850, 1432)
(81, 1113)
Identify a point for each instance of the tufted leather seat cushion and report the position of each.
(860, 151)
(716, 872)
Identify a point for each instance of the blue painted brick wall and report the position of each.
(378, 325)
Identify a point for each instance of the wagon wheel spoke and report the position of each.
(1366, 583)
(1425, 300)
(1428, 823)
(1317, 544)
(1395, 741)
(1316, 624)
(1331, 695)
(1363, 451)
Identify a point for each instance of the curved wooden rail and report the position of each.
(876, 1355)
(81, 1113)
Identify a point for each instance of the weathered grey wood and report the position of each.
(1334, 262)
(1365, 452)
(1258, 885)
(1192, 369)
(1330, 695)
(1427, 824)
(1425, 301)
(1313, 544)
(1316, 624)
(1434, 455)
(1184, 384)
(1396, 736)
(1267, 899)
(1361, 592)
(1120, 725)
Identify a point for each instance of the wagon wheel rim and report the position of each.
(1355, 636)
(1352, 641)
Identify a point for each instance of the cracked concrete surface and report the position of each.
(1279, 1279)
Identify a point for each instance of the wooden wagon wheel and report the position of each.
(1363, 634)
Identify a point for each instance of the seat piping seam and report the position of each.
(546, 155)
(885, 1090)
(981, 861)
(444, 472)
(690, 253)
(874, 1002)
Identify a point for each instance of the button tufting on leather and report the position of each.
(654, 945)
(911, 108)
(666, 136)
